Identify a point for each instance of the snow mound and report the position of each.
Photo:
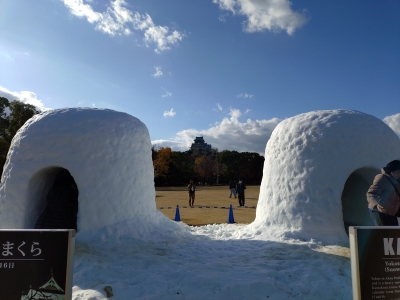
(318, 167)
(108, 153)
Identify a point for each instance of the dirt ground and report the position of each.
(167, 198)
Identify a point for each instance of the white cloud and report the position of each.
(167, 94)
(219, 106)
(82, 10)
(245, 96)
(119, 20)
(175, 145)
(158, 72)
(272, 15)
(234, 113)
(157, 34)
(229, 134)
(169, 113)
(229, 5)
(23, 96)
(393, 122)
(5, 54)
(11, 55)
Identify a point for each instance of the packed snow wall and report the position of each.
(318, 167)
(108, 154)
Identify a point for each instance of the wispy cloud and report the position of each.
(158, 72)
(393, 122)
(4, 54)
(23, 96)
(272, 15)
(119, 20)
(219, 106)
(169, 113)
(249, 96)
(229, 134)
(11, 55)
(167, 94)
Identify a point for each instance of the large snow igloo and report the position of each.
(318, 168)
(108, 155)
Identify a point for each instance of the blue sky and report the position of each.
(229, 70)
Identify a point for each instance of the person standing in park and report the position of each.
(384, 196)
(232, 187)
(240, 187)
(191, 189)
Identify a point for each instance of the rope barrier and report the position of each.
(225, 207)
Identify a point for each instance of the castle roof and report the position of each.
(51, 285)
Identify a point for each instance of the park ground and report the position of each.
(207, 197)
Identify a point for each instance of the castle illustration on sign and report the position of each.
(50, 290)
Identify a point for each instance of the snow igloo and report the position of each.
(107, 154)
(318, 167)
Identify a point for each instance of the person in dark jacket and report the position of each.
(384, 196)
(240, 187)
(192, 190)
(232, 187)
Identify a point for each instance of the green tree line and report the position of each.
(177, 168)
(13, 114)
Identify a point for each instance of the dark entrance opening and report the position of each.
(354, 200)
(61, 203)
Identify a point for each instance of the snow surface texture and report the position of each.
(107, 152)
(211, 264)
(308, 160)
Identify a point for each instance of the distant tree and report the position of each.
(19, 113)
(180, 168)
(176, 168)
(205, 167)
(161, 164)
(154, 152)
(4, 146)
(13, 115)
(4, 121)
(229, 162)
(248, 165)
(251, 167)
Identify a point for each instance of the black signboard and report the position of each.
(375, 262)
(36, 264)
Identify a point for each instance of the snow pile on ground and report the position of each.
(211, 264)
(108, 153)
(308, 159)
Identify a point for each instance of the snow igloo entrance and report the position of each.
(354, 200)
(54, 192)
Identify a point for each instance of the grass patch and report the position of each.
(207, 196)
